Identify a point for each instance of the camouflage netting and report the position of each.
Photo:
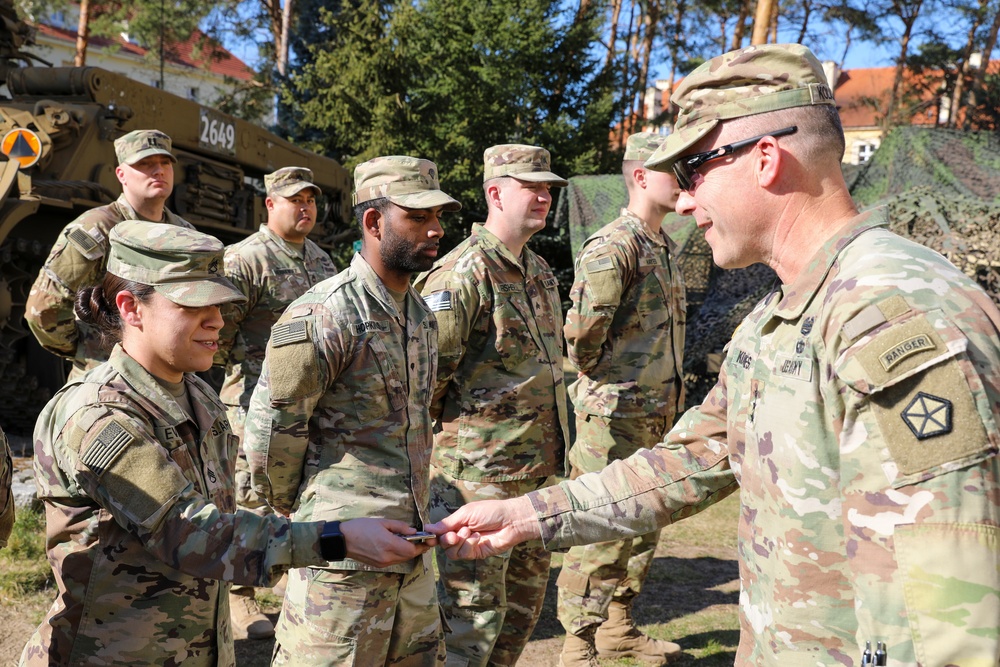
(942, 189)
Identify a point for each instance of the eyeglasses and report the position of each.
(686, 168)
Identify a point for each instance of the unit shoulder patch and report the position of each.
(928, 415)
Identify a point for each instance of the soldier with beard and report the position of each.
(339, 427)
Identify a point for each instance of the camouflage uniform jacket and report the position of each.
(78, 259)
(272, 273)
(500, 399)
(6, 497)
(625, 327)
(140, 524)
(858, 410)
(338, 426)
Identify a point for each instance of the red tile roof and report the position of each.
(211, 56)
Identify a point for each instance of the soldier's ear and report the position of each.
(128, 309)
(371, 221)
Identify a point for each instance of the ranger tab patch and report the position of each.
(286, 333)
(110, 442)
(439, 301)
(928, 416)
(904, 349)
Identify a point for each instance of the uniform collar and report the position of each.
(797, 296)
(374, 286)
(490, 241)
(289, 249)
(637, 223)
(132, 214)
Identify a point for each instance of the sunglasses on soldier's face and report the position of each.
(686, 168)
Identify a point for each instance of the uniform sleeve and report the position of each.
(6, 497)
(300, 364)
(233, 314)
(75, 261)
(116, 459)
(684, 474)
(920, 482)
(594, 300)
(456, 302)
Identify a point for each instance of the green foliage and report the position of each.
(23, 567)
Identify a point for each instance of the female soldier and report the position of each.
(135, 465)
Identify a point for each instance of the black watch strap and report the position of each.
(332, 545)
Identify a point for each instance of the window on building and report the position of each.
(193, 94)
(865, 149)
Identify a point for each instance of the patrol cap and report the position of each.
(182, 264)
(525, 163)
(757, 79)
(139, 144)
(641, 145)
(405, 181)
(289, 181)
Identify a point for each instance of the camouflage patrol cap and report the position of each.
(182, 264)
(289, 181)
(525, 163)
(641, 145)
(139, 144)
(405, 181)
(745, 82)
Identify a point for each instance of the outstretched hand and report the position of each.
(486, 528)
(377, 542)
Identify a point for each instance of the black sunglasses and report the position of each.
(686, 167)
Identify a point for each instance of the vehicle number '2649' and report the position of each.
(217, 132)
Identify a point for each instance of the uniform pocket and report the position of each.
(514, 343)
(379, 388)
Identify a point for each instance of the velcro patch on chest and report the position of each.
(509, 288)
(106, 447)
(650, 260)
(287, 333)
(439, 301)
(800, 368)
(85, 243)
(361, 328)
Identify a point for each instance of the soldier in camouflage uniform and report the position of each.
(500, 400)
(338, 427)
(134, 463)
(625, 336)
(271, 268)
(79, 257)
(6, 497)
(857, 408)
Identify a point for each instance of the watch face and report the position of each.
(331, 542)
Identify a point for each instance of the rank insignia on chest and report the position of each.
(928, 416)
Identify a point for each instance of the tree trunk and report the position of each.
(908, 13)
(650, 21)
(774, 23)
(616, 10)
(741, 24)
(806, 14)
(761, 22)
(991, 42)
(282, 43)
(82, 34)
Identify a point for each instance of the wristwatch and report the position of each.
(332, 545)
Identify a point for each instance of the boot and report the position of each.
(279, 588)
(249, 622)
(579, 651)
(619, 638)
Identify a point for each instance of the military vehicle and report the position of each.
(57, 128)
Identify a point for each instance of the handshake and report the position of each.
(477, 530)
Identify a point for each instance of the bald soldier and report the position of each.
(625, 337)
(338, 427)
(856, 411)
(79, 257)
(500, 399)
(272, 268)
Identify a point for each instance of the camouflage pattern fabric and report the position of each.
(525, 163)
(359, 618)
(142, 525)
(500, 360)
(6, 497)
(77, 260)
(625, 326)
(289, 181)
(593, 575)
(491, 606)
(857, 410)
(744, 82)
(338, 426)
(272, 273)
(405, 181)
(140, 144)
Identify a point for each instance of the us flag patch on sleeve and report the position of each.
(439, 300)
(287, 333)
(110, 442)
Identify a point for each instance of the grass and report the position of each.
(689, 597)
